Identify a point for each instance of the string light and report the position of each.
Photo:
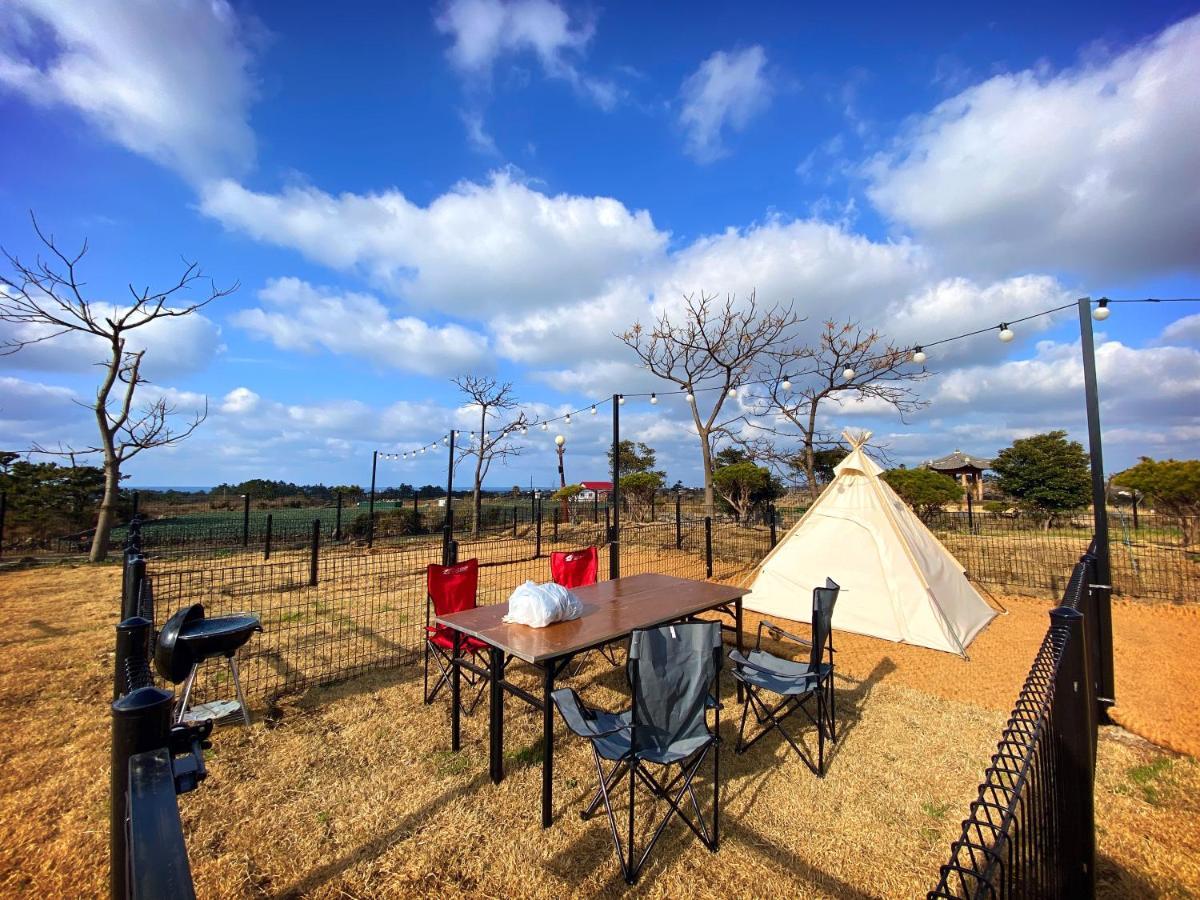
(1101, 312)
(524, 430)
(1006, 334)
(621, 399)
(733, 392)
(918, 355)
(785, 384)
(568, 418)
(848, 373)
(653, 398)
(691, 397)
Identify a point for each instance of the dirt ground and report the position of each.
(350, 790)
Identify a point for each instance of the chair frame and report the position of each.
(442, 659)
(634, 768)
(772, 716)
(605, 650)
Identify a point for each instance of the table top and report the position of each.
(611, 609)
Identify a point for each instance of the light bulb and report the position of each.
(733, 392)
(559, 440)
(1006, 334)
(654, 398)
(621, 399)
(568, 418)
(524, 430)
(785, 384)
(848, 373)
(593, 409)
(545, 426)
(691, 398)
(918, 356)
(1101, 312)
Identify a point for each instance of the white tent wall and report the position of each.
(898, 582)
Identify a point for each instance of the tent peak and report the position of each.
(856, 441)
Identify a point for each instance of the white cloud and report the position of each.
(472, 251)
(485, 30)
(32, 401)
(478, 134)
(301, 316)
(1091, 170)
(170, 81)
(1183, 330)
(726, 92)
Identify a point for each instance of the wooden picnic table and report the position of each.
(611, 610)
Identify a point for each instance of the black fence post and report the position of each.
(708, 545)
(371, 503)
(3, 510)
(134, 575)
(245, 520)
(537, 547)
(678, 524)
(774, 535)
(653, 513)
(970, 513)
(337, 528)
(614, 497)
(1073, 723)
(136, 498)
(315, 553)
(514, 528)
(595, 507)
(267, 538)
(557, 516)
(141, 721)
(133, 640)
(1135, 517)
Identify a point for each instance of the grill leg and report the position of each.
(237, 683)
(187, 693)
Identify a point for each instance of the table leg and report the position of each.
(496, 715)
(737, 627)
(547, 743)
(455, 691)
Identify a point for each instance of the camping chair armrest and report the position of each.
(579, 718)
(775, 632)
(740, 662)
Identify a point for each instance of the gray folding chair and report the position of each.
(674, 674)
(797, 683)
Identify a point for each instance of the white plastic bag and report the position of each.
(539, 605)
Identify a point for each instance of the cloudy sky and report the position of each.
(496, 186)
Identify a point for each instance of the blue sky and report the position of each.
(406, 193)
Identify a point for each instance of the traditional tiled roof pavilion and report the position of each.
(966, 468)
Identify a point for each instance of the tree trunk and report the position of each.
(706, 453)
(108, 511)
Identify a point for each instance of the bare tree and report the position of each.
(814, 374)
(710, 348)
(46, 300)
(492, 398)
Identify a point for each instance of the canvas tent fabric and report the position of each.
(898, 582)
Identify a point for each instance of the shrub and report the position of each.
(925, 490)
(388, 523)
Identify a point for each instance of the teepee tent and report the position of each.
(898, 582)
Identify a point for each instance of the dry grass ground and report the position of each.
(350, 791)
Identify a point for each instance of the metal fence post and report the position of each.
(316, 550)
(133, 639)
(595, 507)
(141, 721)
(514, 528)
(245, 520)
(1073, 723)
(557, 514)
(136, 498)
(970, 513)
(267, 538)
(771, 513)
(678, 524)
(537, 547)
(371, 503)
(135, 573)
(337, 528)
(708, 545)
(653, 512)
(3, 510)
(614, 497)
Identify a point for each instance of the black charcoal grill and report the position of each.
(189, 638)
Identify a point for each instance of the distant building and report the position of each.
(966, 468)
(593, 490)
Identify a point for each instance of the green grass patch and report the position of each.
(936, 811)
(526, 756)
(447, 762)
(1149, 778)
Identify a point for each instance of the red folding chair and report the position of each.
(451, 589)
(577, 568)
